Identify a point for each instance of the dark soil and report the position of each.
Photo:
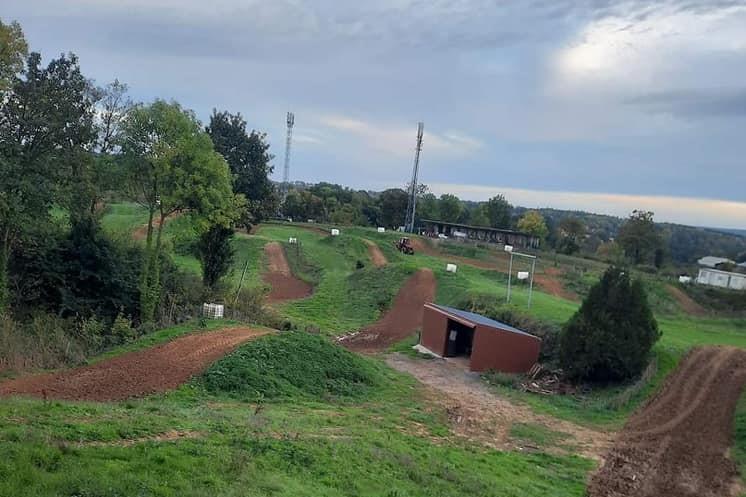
(284, 286)
(135, 374)
(404, 317)
(677, 444)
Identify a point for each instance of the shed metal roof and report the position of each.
(479, 319)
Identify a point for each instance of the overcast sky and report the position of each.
(595, 105)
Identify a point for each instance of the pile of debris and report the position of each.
(546, 381)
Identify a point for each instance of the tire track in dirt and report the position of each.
(677, 444)
(284, 286)
(376, 256)
(135, 374)
(404, 317)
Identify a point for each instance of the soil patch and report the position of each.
(550, 281)
(677, 444)
(284, 286)
(477, 413)
(685, 301)
(376, 256)
(169, 436)
(141, 233)
(404, 317)
(135, 374)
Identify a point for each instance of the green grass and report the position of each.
(540, 437)
(297, 445)
(738, 452)
(123, 218)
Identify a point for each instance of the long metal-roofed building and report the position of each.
(488, 344)
(480, 233)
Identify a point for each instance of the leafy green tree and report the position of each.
(571, 231)
(427, 207)
(45, 127)
(610, 337)
(533, 223)
(248, 156)
(393, 205)
(499, 211)
(478, 216)
(13, 51)
(216, 253)
(172, 167)
(639, 237)
(450, 208)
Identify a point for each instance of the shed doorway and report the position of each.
(459, 339)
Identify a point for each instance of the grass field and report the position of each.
(245, 438)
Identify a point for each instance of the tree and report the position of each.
(45, 127)
(638, 236)
(427, 207)
(571, 232)
(610, 337)
(393, 204)
(172, 167)
(114, 106)
(533, 223)
(13, 51)
(498, 211)
(216, 253)
(249, 159)
(450, 208)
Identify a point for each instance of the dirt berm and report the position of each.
(404, 317)
(677, 444)
(284, 286)
(134, 374)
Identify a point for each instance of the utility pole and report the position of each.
(288, 142)
(412, 204)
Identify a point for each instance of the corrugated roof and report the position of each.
(711, 261)
(479, 319)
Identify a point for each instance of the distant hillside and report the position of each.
(685, 244)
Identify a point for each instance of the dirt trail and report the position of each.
(685, 301)
(376, 256)
(284, 286)
(677, 444)
(404, 317)
(134, 374)
(549, 281)
(479, 414)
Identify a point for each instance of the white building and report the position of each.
(722, 279)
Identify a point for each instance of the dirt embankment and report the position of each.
(404, 317)
(134, 374)
(685, 301)
(284, 286)
(677, 444)
(376, 256)
(476, 413)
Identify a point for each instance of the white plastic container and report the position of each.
(292, 240)
(508, 248)
(381, 230)
(451, 268)
(213, 311)
(335, 232)
(685, 279)
(522, 275)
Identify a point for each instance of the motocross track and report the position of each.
(135, 374)
(677, 444)
(685, 301)
(404, 317)
(376, 256)
(284, 286)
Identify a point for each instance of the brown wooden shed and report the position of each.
(489, 344)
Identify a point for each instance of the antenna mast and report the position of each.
(412, 204)
(286, 172)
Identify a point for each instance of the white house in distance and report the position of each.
(710, 275)
(713, 262)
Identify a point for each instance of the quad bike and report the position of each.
(403, 245)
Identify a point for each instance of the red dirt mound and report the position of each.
(550, 282)
(676, 445)
(685, 301)
(135, 374)
(376, 256)
(404, 317)
(284, 285)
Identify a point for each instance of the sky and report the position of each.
(590, 105)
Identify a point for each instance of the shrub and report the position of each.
(609, 338)
(122, 330)
(294, 365)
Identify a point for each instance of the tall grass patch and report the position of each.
(294, 365)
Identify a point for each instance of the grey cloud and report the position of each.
(694, 103)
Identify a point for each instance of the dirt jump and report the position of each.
(284, 286)
(677, 444)
(404, 317)
(685, 301)
(135, 374)
(376, 256)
